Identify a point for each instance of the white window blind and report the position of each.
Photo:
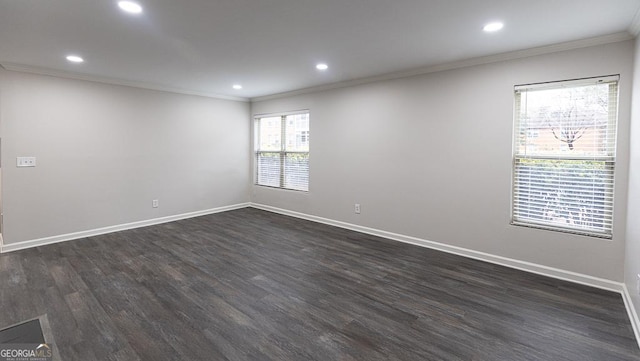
(282, 151)
(564, 155)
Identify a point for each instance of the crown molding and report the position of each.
(519, 54)
(113, 81)
(632, 31)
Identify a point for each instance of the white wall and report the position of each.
(105, 151)
(632, 261)
(430, 157)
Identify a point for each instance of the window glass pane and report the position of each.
(564, 121)
(297, 132)
(268, 167)
(269, 133)
(564, 159)
(282, 151)
(576, 194)
(296, 171)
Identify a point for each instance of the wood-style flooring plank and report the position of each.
(253, 285)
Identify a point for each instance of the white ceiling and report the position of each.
(272, 46)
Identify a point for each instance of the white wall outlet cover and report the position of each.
(26, 161)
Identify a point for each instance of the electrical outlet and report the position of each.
(357, 208)
(154, 203)
(26, 161)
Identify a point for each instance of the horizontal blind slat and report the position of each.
(282, 150)
(564, 155)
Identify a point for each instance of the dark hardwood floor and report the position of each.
(251, 285)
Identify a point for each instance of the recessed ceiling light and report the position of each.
(130, 7)
(322, 66)
(237, 86)
(491, 27)
(74, 59)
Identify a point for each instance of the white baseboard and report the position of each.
(504, 261)
(120, 227)
(631, 310)
(486, 257)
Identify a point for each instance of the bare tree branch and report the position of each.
(570, 118)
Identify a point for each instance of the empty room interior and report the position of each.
(320, 180)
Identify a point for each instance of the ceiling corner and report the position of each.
(634, 28)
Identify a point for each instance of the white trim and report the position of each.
(631, 32)
(552, 272)
(113, 81)
(557, 84)
(120, 227)
(631, 311)
(280, 114)
(486, 257)
(583, 43)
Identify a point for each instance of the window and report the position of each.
(564, 155)
(282, 151)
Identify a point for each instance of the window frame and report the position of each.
(608, 160)
(282, 152)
